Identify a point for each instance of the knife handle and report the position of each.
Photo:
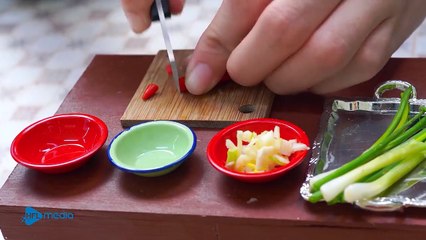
(154, 11)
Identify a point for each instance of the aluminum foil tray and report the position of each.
(348, 127)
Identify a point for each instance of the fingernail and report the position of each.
(199, 79)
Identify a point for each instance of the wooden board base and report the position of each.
(220, 107)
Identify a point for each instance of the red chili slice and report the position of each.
(182, 85)
(150, 90)
(225, 77)
(169, 70)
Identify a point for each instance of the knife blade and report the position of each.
(162, 17)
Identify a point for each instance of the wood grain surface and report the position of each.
(225, 104)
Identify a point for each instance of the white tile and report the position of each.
(422, 28)
(40, 95)
(402, 53)
(71, 15)
(50, 6)
(131, 51)
(183, 41)
(67, 59)
(121, 29)
(48, 110)
(13, 129)
(73, 77)
(16, 16)
(48, 43)
(153, 46)
(421, 46)
(7, 107)
(103, 4)
(117, 16)
(193, 1)
(189, 14)
(108, 45)
(86, 30)
(4, 41)
(152, 32)
(211, 5)
(5, 5)
(20, 77)
(197, 28)
(32, 29)
(7, 164)
(11, 58)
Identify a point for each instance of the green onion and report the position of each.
(396, 121)
(397, 152)
(359, 191)
(375, 150)
(334, 187)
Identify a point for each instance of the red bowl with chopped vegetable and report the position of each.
(258, 150)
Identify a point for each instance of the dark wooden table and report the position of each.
(195, 201)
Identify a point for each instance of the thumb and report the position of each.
(138, 12)
(232, 23)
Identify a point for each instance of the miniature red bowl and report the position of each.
(217, 151)
(59, 143)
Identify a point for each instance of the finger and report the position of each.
(137, 13)
(330, 48)
(232, 22)
(378, 48)
(176, 6)
(280, 31)
(372, 56)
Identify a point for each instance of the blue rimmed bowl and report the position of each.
(153, 148)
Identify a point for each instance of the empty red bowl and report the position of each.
(59, 143)
(217, 151)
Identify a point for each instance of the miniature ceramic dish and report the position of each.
(153, 148)
(59, 143)
(217, 150)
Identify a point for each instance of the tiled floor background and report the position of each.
(46, 44)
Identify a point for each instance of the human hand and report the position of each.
(301, 45)
(138, 12)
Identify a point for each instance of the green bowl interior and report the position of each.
(151, 145)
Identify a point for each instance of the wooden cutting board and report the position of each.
(227, 103)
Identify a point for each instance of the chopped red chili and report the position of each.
(150, 90)
(182, 85)
(225, 77)
(169, 70)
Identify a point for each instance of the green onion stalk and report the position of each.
(399, 150)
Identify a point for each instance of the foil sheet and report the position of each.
(348, 127)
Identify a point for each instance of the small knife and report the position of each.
(160, 9)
